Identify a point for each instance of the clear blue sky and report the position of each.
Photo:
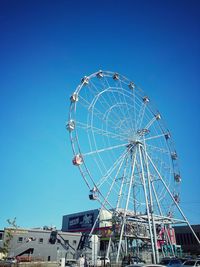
(45, 48)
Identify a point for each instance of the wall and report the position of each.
(186, 239)
(35, 243)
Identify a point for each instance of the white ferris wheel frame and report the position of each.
(136, 149)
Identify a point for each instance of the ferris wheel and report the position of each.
(123, 149)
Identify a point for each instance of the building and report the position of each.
(40, 244)
(187, 240)
(84, 221)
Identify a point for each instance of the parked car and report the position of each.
(191, 263)
(171, 262)
(129, 260)
(187, 258)
(103, 259)
(9, 260)
(100, 261)
(145, 265)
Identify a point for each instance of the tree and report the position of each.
(9, 235)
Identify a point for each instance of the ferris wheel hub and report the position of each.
(133, 144)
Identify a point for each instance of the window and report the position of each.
(178, 238)
(66, 242)
(74, 242)
(192, 238)
(191, 263)
(176, 262)
(181, 239)
(188, 239)
(165, 262)
(1, 236)
(20, 239)
(41, 240)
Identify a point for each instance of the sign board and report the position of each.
(81, 221)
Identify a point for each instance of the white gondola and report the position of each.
(158, 116)
(170, 214)
(116, 76)
(174, 155)
(93, 195)
(100, 74)
(177, 198)
(70, 126)
(167, 136)
(177, 178)
(131, 85)
(146, 99)
(85, 80)
(77, 160)
(74, 98)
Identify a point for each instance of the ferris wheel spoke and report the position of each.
(100, 131)
(127, 108)
(86, 105)
(83, 102)
(110, 110)
(111, 169)
(134, 108)
(94, 140)
(150, 123)
(104, 149)
(121, 129)
(119, 122)
(100, 117)
(113, 123)
(140, 117)
(103, 102)
(114, 114)
(154, 137)
(115, 92)
(106, 83)
(157, 149)
(127, 122)
(90, 108)
(93, 89)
